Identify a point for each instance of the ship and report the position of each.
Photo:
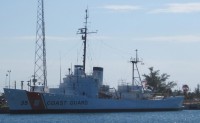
(81, 92)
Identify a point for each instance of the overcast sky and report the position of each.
(165, 32)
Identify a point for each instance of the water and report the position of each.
(185, 116)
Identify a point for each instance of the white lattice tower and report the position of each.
(40, 69)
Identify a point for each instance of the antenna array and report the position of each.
(40, 69)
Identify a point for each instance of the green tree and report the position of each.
(159, 82)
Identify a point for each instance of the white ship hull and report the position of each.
(33, 102)
(81, 92)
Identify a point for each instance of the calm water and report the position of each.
(185, 116)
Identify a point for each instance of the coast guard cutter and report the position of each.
(80, 92)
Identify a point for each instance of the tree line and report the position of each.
(160, 83)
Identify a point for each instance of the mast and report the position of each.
(84, 31)
(40, 69)
(135, 68)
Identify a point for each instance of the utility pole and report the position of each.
(9, 71)
(6, 81)
(22, 85)
(15, 84)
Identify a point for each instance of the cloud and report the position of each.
(122, 8)
(178, 8)
(176, 38)
(62, 38)
(179, 38)
(33, 38)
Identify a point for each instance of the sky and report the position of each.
(165, 32)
